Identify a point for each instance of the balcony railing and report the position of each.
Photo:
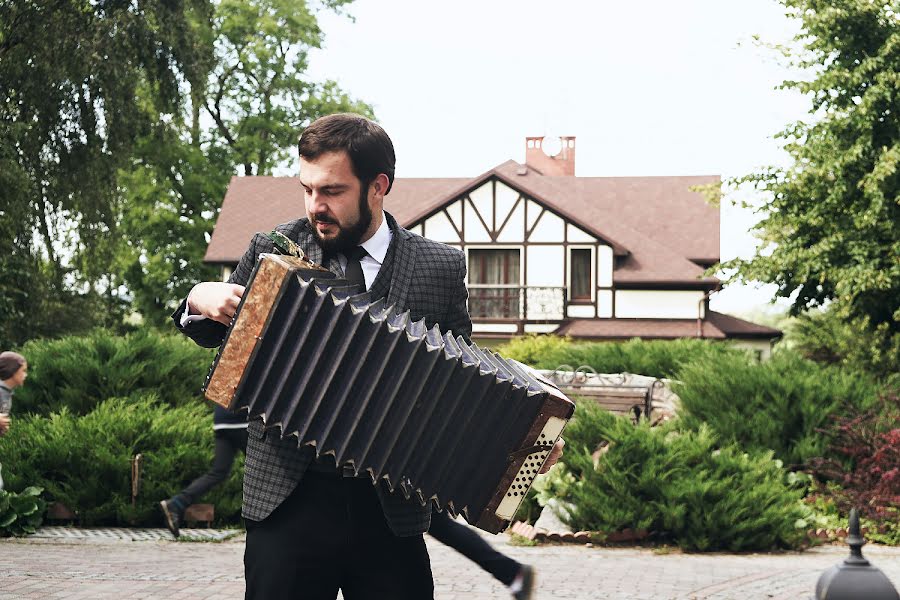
(517, 303)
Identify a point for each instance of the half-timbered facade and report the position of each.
(547, 252)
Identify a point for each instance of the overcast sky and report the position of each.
(648, 88)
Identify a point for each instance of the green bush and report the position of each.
(656, 358)
(681, 486)
(775, 405)
(831, 337)
(78, 372)
(85, 462)
(21, 514)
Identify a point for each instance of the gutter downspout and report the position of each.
(700, 306)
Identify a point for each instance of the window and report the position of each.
(494, 283)
(580, 274)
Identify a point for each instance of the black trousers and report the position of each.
(471, 545)
(228, 443)
(331, 534)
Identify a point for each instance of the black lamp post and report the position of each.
(855, 577)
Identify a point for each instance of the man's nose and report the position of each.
(318, 202)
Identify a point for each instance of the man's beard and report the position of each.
(348, 236)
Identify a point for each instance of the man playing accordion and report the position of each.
(313, 528)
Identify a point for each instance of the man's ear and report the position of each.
(380, 185)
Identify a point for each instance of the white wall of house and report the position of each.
(659, 304)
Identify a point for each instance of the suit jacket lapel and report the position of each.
(404, 261)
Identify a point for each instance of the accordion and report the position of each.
(439, 419)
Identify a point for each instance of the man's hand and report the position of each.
(4, 423)
(215, 300)
(555, 455)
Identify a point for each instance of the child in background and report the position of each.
(13, 371)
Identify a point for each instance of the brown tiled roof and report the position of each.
(739, 328)
(716, 326)
(255, 204)
(656, 225)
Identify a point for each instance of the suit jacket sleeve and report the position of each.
(458, 320)
(209, 333)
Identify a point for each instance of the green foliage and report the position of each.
(258, 95)
(552, 484)
(775, 405)
(171, 194)
(828, 516)
(76, 373)
(656, 358)
(830, 230)
(681, 486)
(529, 510)
(85, 462)
(555, 483)
(21, 514)
(110, 180)
(827, 337)
(69, 72)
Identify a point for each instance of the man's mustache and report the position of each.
(324, 219)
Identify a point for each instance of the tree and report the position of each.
(69, 71)
(257, 97)
(830, 233)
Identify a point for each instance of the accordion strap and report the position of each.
(528, 451)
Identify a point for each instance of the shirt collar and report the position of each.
(377, 245)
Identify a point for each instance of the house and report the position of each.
(599, 258)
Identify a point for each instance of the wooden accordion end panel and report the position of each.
(437, 418)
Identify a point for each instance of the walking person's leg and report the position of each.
(511, 573)
(228, 442)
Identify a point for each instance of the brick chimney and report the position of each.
(538, 158)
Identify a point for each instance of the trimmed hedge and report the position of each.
(76, 373)
(655, 358)
(679, 485)
(774, 405)
(85, 461)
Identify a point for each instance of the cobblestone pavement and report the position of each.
(150, 565)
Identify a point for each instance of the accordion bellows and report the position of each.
(437, 418)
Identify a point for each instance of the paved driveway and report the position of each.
(109, 565)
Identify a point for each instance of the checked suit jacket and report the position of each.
(425, 277)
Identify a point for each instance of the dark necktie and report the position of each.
(354, 273)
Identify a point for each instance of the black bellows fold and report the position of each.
(434, 416)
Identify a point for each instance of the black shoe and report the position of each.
(527, 574)
(172, 516)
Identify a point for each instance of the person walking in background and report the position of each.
(231, 437)
(13, 372)
(514, 575)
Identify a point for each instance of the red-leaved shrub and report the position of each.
(864, 461)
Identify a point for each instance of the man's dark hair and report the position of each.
(369, 147)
